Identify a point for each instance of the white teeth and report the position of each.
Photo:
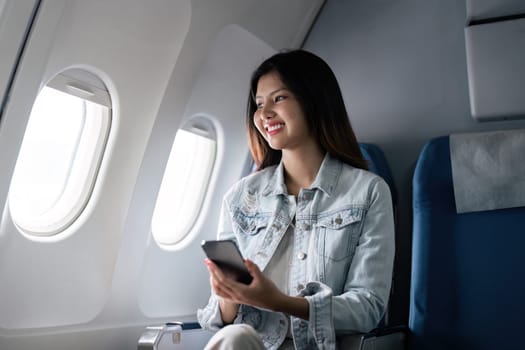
(275, 127)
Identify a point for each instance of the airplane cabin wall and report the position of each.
(13, 23)
(66, 280)
(97, 285)
(402, 68)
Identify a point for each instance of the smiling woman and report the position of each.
(279, 116)
(316, 227)
(312, 83)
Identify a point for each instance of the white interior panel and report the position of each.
(220, 93)
(495, 56)
(483, 9)
(67, 280)
(15, 17)
(98, 284)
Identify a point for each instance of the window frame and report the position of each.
(85, 163)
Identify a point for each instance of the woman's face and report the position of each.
(279, 116)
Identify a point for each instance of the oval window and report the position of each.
(60, 154)
(185, 182)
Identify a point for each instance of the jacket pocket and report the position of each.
(250, 223)
(339, 233)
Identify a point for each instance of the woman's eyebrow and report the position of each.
(273, 92)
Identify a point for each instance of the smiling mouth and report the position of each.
(274, 127)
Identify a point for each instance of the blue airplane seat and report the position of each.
(377, 164)
(467, 284)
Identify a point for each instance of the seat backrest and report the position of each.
(377, 164)
(467, 284)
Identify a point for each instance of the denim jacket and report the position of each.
(343, 250)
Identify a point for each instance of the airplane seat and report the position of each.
(384, 336)
(378, 165)
(467, 287)
(174, 335)
(158, 337)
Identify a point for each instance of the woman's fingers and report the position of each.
(223, 286)
(253, 269)
(257, 293)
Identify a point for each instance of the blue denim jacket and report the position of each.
(343, 250)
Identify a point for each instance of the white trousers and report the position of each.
(235, 336)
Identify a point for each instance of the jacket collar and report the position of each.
(325, 180)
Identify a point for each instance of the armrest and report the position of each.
(384, 338)
(149, 340)
(194, 337)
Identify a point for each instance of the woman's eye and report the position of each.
(279, 98)
(259, 105)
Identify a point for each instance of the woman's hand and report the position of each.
(261, 292)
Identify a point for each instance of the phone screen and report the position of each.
(227, 256)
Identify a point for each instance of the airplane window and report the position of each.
(184, 184)
(60, 154)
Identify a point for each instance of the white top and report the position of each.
(278, 268)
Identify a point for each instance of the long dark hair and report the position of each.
(315, 86)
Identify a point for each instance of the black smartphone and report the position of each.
(227, 256)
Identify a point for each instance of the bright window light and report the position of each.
(58, 161)
(52, 150)
(183, 186)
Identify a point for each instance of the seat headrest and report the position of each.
(488, 170)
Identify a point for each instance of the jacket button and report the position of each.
(305, 227)
(339, 221)
(301, 256)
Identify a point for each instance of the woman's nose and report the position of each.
(267, 113)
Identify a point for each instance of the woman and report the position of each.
(315, 227)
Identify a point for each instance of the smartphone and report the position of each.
(227, 256)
